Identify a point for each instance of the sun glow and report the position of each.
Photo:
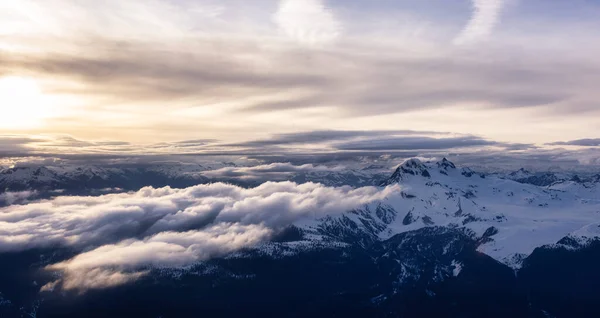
(22, 103)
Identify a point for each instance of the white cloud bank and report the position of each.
(486, 15)
(126, 233)
(115, 264)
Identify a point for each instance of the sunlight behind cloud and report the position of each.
(23, 104)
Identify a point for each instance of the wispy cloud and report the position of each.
(308, 22)
(486, 15)
(415, 143)
(588, 142)
(327, 136)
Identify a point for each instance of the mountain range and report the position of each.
(452, 243)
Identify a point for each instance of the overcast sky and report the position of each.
(150, 71)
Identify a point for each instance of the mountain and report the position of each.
(77, 180)
(452, 243)
(43, 181)
(539, 179)
(513, 218)
(547, 179)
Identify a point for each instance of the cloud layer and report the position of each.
(588, 142)
(176, 65)
(166, 227)
(273, 171)
(299, 142)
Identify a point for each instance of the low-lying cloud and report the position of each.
(19, 197)
(127, 233)
(115, 264)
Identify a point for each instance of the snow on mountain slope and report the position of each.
(510, 218)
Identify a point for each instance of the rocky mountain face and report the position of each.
(453, 243)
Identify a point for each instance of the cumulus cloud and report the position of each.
(309, 22)
(486, 14)
(189, 224)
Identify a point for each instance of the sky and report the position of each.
(231, 72)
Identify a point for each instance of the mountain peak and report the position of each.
(411, 167)
(412, 163)
(520, 174)
(446, 164)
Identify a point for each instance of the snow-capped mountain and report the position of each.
(48, 180)
(510, 218)
(66, 177)
(545, 179)
(540, 179)
(453, 242)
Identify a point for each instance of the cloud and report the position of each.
(10, 144)
(588, 142)
(325, 136)
(30, 145)
(377, 141)
(249, 84)
(192, 143)
(175, 66)
(116, 264)
(486, 15)
(272, 172)
(414, 143)
(20, 197)
(289, 151)
(309, 22)
(191, 224)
